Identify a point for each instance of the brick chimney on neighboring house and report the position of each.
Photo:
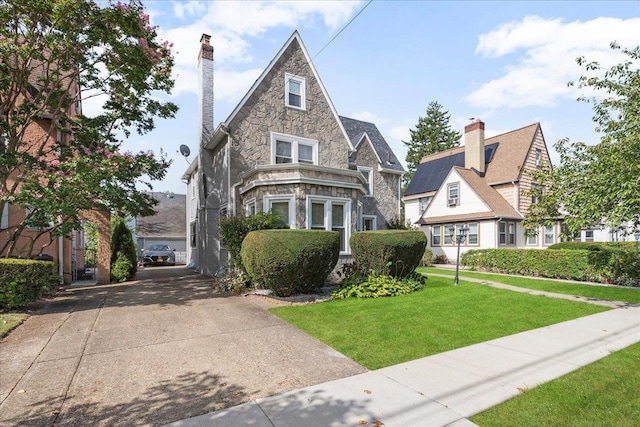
(474, 146)
(205, 80)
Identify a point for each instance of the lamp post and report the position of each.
(460, 237)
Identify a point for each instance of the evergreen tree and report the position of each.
(124, 260)
(432, 134)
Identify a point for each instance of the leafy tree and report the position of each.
(432, 134)
(54, 160)
(600, 182)
(124, 261)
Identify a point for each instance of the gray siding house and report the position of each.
(285, 148)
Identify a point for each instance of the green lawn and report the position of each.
(608, 293)
(8, 321)
(441, 317)
(604, 393)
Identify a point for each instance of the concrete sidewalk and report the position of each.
(445, 389)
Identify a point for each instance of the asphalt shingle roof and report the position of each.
(169, 219)
(510, 153)
(357, 128)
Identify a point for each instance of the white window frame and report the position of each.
(437, 234)
(328, 201)
(295, 142)
(476, 234)
(586, 235)
(447, 235)
(367, 172)
(303, 91)
(290, 198)
(450, 187)
(423, 202)
(371, 217)
(250, 207)
(532, 240)
(538, 157)
(552, 235)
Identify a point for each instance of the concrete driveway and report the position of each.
(160, 349)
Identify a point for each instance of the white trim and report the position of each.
(374, 218)
(290, 198)
(327, 216)
(295, 141)
(300, 180)
(370, 181)
(248, 203)
(288, 78)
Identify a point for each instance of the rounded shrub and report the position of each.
(290, 261)
(393, 252)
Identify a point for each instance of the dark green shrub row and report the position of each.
(594, 246)
(376, 286)
(290, 261)
(587, 265)
(233, 230)
(24, 281)
(393, 252)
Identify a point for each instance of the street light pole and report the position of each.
(460, 237)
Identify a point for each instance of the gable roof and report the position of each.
(357, 130)
(498, 206)
(295, 37)
(169, 219)
(505, 155)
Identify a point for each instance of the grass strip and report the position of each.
(385, 331)
(9, 321)
(607, 293)
(604, 393)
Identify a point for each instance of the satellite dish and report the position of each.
(184, 150)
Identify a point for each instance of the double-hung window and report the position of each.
(325, 213)
(368, 176)
(549, 235)
(369, 222)
(472, 234)
(536, 193)
(538, 157)
(283, 206)
(453, 194)
(448, 236)
(435, 235)
(292, 149)
(506, 233)
(295, 91)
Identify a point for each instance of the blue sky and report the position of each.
(505, 62)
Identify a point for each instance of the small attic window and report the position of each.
(294, 91)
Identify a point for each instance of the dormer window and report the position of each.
(294, 91)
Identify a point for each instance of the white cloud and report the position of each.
(365, 116)
(547, 49)
(231, 26)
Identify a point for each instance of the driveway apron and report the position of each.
(163, 348)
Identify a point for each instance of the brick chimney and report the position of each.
(474, 146)
(205, 80)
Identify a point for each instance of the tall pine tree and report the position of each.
(432, 134)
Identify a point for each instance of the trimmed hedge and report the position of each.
(24, 281)
(290, 261)
(595, 246)
(398, 251)
(586, 265)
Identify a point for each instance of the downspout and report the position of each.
(61, 259)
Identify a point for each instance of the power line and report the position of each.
(343, 28)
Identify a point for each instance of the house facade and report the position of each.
(482, 186)
(41, 138)
(285, 149)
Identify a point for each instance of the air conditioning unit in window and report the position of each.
(453, 202)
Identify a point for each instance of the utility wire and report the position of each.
(343, 28)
